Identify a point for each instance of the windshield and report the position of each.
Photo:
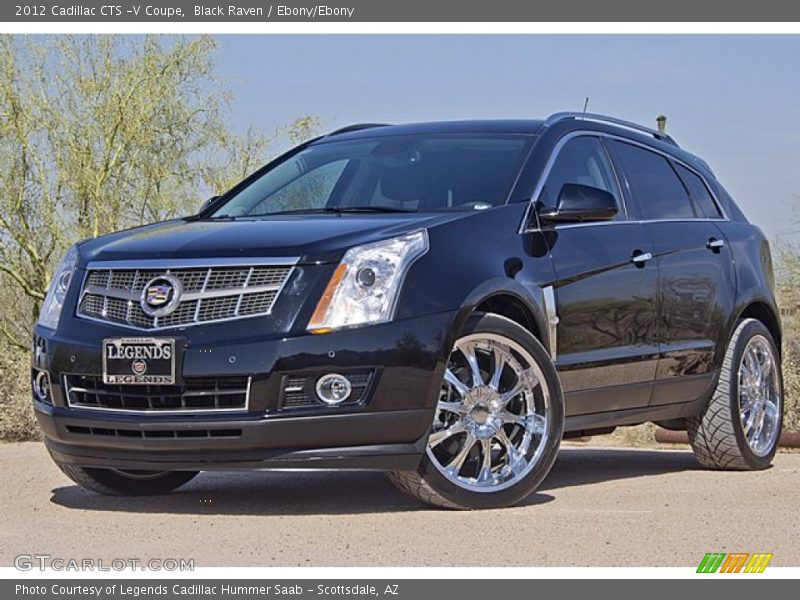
(389, 174)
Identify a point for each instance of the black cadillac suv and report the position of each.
(443, 301)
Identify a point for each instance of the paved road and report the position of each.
(600, 507)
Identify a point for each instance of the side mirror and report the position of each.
(578, 203)
(209, 202)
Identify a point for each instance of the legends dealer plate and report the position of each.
(139, 361)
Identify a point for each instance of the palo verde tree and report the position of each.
(99, 133)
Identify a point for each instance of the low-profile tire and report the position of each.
(114, 482)
(740, 427)
(498, 423)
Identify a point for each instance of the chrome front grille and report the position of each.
(112, 293)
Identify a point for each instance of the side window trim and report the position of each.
(724, 215)
(526, 225)
(709, 190)
(698, 212)
(632, 210)
(623, 194)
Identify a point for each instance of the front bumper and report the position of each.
(387, 429)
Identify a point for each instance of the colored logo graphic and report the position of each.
(160, 296)
(736, 562)
(139, 367)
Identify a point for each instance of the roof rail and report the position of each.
(579, 116)
(357, 127)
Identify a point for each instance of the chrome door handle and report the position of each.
(641, 258)
(715, 244)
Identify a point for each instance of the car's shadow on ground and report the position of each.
(587, 466)
(354, 492)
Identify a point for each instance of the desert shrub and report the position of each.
(791, 380)
(17, 422)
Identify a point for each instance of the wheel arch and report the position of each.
(514, 301)
(766, 314)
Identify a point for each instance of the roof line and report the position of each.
(578, 116)
(356, 127)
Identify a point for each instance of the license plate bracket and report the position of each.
(139, 361)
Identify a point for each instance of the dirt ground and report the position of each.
(601, 506)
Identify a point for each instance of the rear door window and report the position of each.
(700, 194)
(654, 183)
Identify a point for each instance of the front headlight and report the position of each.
(54, 301)
(365, 286)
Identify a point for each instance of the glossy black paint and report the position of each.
(697, 289)
(608, 315)
(636, 341)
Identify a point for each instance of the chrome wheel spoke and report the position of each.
(485, 474)
(514, 462)
(771, 410)
(754, 366)
(749, 422)
(502, 437)
(526, 380)
(499, 365)
(461, 388)
(535, 424)
(745, 376)
(454, 466)
(769, 420)
(453, 407)
(468, 350)
(509, 417)
(766, 367)
(758, 426)
(532, 423)
(508, 396)
(437, 437)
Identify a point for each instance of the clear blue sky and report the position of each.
(734, 100)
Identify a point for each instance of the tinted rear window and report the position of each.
(700, 193)
(654, 183)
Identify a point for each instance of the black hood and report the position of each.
(312, 238)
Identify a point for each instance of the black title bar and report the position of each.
(177, 11)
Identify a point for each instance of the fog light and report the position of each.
(41, 387)
(333, 388)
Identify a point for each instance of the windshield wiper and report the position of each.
(221, 218)
(336, 210)
(375, 209)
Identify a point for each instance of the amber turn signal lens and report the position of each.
(314, 325)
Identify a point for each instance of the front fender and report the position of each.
(532, 299)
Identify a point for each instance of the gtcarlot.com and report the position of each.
(42, 562)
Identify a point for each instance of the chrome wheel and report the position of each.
(759, 395)
(493, 416)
